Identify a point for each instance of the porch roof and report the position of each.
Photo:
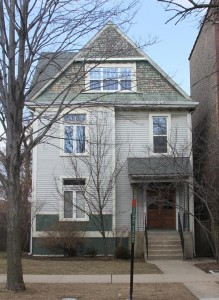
(155, 168)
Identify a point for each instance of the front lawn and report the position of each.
(148, 291)
(78, 266)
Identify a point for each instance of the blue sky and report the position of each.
(172, 51)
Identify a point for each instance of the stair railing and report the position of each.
(146, 235)
(180, 230)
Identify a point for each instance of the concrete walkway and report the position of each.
(203, 286)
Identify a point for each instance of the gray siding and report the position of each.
(132, 132)
(132, 140)
(180, 143)
(132, 136)
(51, 165)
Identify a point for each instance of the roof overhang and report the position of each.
(159, 169)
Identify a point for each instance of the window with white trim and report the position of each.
(74, 133)
(111, 79)
(160, 132)
(74, 199)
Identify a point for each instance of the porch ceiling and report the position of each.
(159, 168)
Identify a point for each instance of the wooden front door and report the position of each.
(161, 209)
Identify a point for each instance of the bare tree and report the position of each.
(27, 28)
(97, 172)
(26, 188)
(202, 181)
(183, 9)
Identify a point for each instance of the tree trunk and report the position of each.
(103, 233)
(14, 247)
(215, 229)
(105, 245)
(13, 192)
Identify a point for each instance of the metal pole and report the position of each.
(132, 269)
(133, 217)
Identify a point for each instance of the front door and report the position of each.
(161, 209)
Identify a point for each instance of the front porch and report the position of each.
(164, 219)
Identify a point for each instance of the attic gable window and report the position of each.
(110, 79)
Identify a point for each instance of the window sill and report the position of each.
(74, 220)
(161, 154)
(109, 91)
(74, 155)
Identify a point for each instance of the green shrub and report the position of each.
(91, 252)
(64, 236)
(122, 252)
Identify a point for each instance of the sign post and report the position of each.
(133, 217)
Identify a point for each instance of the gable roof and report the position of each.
(50, 65)
(109, 44)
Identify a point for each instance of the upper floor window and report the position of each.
(110, 79)
(160, 132)
(74, 133)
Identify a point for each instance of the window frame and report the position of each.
(118, 66)
(73, 189)
(151, 128)
(74, 124)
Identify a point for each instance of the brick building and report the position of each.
(204, 71)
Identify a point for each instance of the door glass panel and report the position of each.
(153, 203)
(168, 203)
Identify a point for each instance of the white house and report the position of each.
(124, 132)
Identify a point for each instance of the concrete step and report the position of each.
(165, 252)
(163, 237)
(162, 232)
(165, 257)
(164, 244)
(164, 247)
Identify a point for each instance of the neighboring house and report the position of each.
(119, 99)
(204, 67)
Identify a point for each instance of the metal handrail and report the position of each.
(180, 230)
(146, 235)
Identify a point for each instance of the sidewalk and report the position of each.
(202, 285)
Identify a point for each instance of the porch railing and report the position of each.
(146, 237)
(180, 230)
